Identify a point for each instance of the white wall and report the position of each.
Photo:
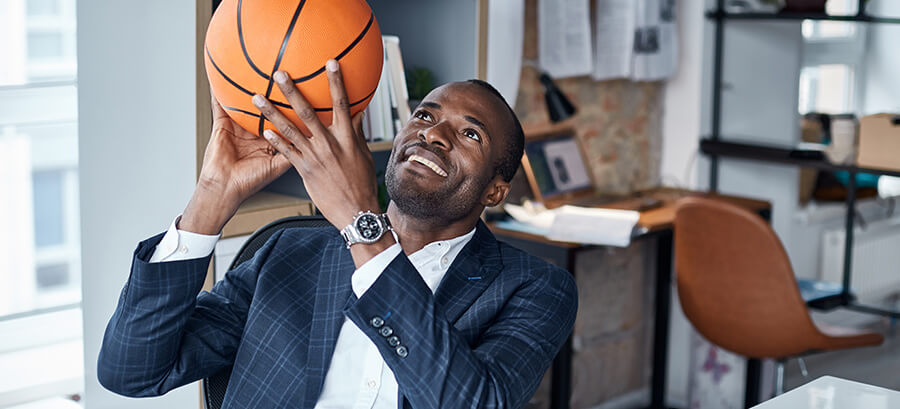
(136, 142)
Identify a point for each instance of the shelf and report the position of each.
(721, 15)
(777, 154)
(380, 146)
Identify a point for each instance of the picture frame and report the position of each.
(556, 169)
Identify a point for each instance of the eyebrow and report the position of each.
(434, 105)
(476, 122)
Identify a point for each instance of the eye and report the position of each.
(470, 133)
(423, 115)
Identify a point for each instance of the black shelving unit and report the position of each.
(714, 147)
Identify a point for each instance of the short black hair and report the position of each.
(508, 164)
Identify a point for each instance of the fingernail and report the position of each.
(269, 134)
(281, 77)
(332, 65)
(259, 101)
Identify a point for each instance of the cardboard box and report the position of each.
(879, 142)
(263, 208)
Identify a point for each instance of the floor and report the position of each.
(878, 366)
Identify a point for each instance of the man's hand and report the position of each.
(336, 165)
(334, 162)
(236, 165)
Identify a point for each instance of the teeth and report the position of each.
(433, 166)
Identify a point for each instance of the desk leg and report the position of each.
(661, 319)
(561, 383)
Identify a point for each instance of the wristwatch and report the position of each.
(367, 227)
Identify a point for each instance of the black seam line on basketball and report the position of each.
(284, 43)
(342, 54)
(276, 103)
(243, 46)
(255, 115)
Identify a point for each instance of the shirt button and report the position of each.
(402, 352)
(393, 341)
(372, 384)
(386, 331)
(376, 322)
(445, 260)
(183, 249)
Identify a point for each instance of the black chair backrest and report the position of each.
(214, 386)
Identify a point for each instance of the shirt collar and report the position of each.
(442, 248)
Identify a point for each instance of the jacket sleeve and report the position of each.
(163, 334)
(439, 368)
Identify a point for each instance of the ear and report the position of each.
(495, 192)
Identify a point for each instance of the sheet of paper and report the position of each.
(564, 37)
(506, 33)
(655, 41)
(614, 38)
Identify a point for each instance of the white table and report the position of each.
(829, 392)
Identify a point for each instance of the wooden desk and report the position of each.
(656, 222)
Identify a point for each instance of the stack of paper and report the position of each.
(609, 227)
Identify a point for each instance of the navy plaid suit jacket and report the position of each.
(483, 340)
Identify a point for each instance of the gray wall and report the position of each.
(435, 34)
(137, 132)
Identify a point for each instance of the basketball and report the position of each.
(246, 43)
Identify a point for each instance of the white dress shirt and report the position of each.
(358, 377)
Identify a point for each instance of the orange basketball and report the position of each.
(248, 42)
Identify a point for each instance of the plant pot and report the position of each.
(805, 6)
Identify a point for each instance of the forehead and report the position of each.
(460, 98)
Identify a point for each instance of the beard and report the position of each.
(448, 203)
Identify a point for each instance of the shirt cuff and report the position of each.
(366, 274)
(183, 245)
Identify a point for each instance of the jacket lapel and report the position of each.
(476, 266)
(332, 294)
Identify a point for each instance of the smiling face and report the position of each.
(443, 162)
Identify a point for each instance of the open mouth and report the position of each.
(431, 165)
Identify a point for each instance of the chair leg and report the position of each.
(803, 370)
(779, 377)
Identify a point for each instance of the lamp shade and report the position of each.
(558, 106)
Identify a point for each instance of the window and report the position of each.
(833, 53)
(40, 266)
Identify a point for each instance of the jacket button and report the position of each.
(386, 331)
(376, 322)
(393, 341)
(402, 352)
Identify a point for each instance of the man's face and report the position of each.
(443, 159)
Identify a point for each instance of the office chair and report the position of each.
(737, 287)
(214, 387)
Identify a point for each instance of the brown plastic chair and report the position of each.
(737, 287)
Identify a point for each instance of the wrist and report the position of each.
(206, 213)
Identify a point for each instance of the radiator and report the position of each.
(876, 259)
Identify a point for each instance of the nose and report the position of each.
(437, 135)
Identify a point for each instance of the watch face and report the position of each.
(368, 227)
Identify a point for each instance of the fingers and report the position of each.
(339, 101)
(284, 125)
(357, 123)
(301, 106)
(217, 111)
(288, 152)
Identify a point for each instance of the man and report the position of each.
(448, 317)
